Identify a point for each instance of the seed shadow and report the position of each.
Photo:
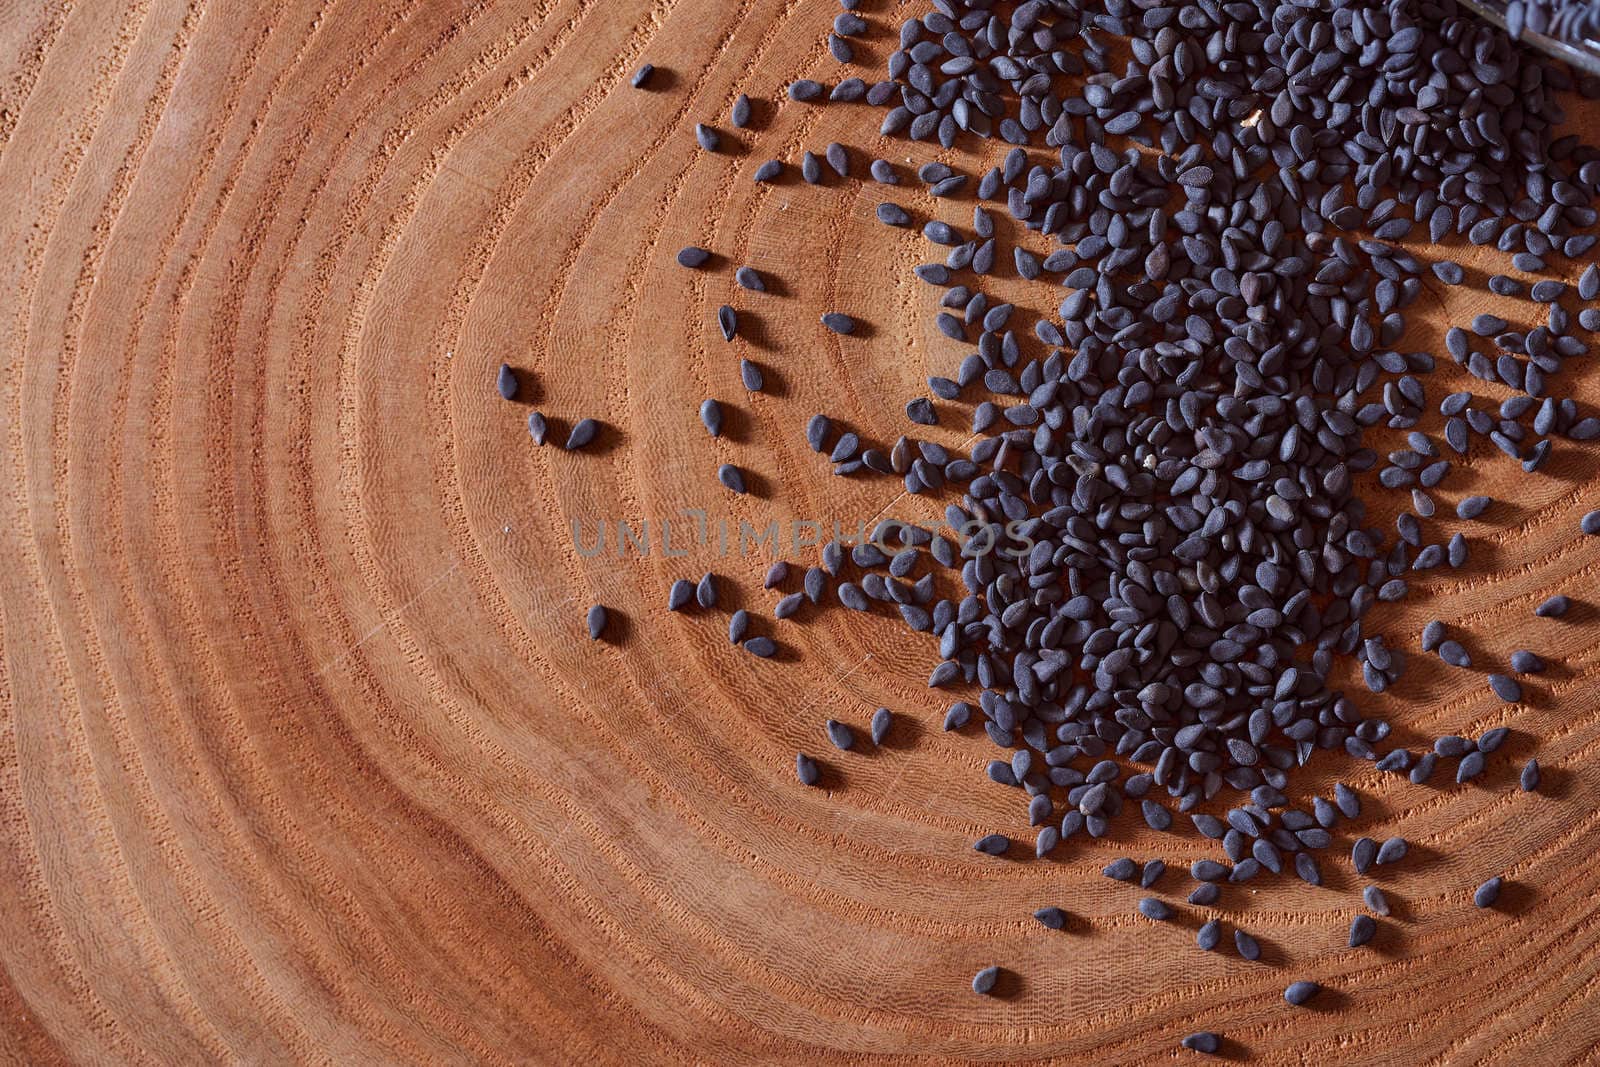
(1387, 939)
(1008, 985)
(1328, 1001)
(830, 779)
(1516, 898)
(731, 597)
(967, 193)
(904, 733)
(1230, 1049)
(756, 485)
(1575, 466)
(730, 143)
(1118, 832)
(1555, 782)
(861, 747)
(1272, 953)
(752, 329)
(737, 425)
(773, 383)
(1400, 910)
(661, 80)
(876, 30)
(528, 390)
(1335, 878)
(775, 287)
(619, 629)
(1182, 918)
(1555, 670)
(1417, 855)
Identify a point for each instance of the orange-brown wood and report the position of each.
(305, 755)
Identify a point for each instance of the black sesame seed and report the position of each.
(506, 382)
(818, 430)
(893, 215)
(1554, 607)
(882, 720)
(1392, 851)
(1297, 993)
(1349, 804)
(1154, 909)
(805, 768)
(705, 591)
(840, 735)
(838, 159)
(1423, 769)
(992, 844)
(750, 375)
(582, 434)
(1505, 687)
(1122, 870)
(711, 417)
(1246, 945)
(681, 595)
(1529, 780)
(1375, 900)
(731, 477)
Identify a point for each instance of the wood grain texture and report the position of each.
(304, 754)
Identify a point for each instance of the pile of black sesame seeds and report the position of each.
(1571, 21)
(1164, 543)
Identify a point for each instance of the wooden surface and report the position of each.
(305, 756)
